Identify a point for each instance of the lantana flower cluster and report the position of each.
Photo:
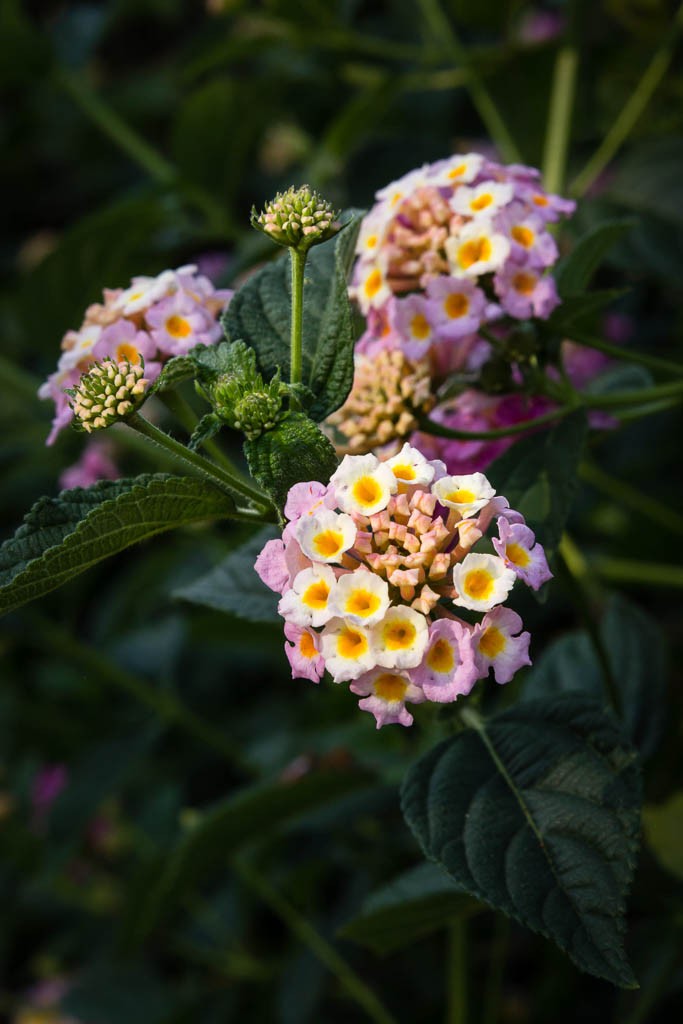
(374, 567)
(148, 322)
(450, 259)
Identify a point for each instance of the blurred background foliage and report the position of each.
(185, 833)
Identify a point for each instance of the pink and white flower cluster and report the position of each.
(372, 568)
(451, 248)
(151, 320)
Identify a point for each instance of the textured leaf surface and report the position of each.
(249, 815)
(63, 536)
(173, 373)
(295, 450)
(634, 645)
(536, 812)
(574, 273)
(233, 585)
(418, 902)
(538, 476)
(259, 314)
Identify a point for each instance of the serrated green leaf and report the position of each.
(260, 315)
(536, 812)
(208, 427)
(233, 586)
(63, 536)
(538, 476)
(634, 646)
(574, 273)
(415, 904)
(251, 814)
(173, 373)
(294, 450)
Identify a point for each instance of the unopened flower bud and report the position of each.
(108, 392)
(298, 218)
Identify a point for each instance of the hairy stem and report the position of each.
(298, 262)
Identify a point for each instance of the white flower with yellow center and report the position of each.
(467, 494)
(485, 199)
(348, 650)
(144, 291)
(371, 234)
(386, 694)
(325, 535)
(457, 170)
(78, 345)
(363, 484)
(500, 644)
(476, 249)
(308, 603)
(360, 598)
(395, 192)
(400, 638)
(481, 582)
(411, 468)
(370, 288)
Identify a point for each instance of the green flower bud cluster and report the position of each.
(108, 392)
(298, 218)
(242, 399)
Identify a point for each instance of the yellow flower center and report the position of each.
(492, 642)
(306, 646)
(524, 283)
(178, 326)
(524, 236)
(351, 644)
(478, 584)
(328, 543)
(440, 657)
(461, 497)
(406, 472)
(366, 491)
(474, 251)
(362, 602)
(126, 352)
(373, 283)
(456, 304)
(517, 555)
(419, 327)
(396, 198)
(316, 595)
(540, 200)
(457, 172)
(399, 635)
(481, 202)
(390, 687)
(371, 241)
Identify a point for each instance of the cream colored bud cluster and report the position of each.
(108, 392)
(298, 218)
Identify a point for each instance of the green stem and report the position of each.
(494, 983)
(163, 703)
(303, 930)
(217, 475)
(625, 570)
(297, 326)
(444, 33)
(439, 430)
(456, 1012)
(638, 397)
(559, 118)
(184, 413)
(631, 111)
(622, 493)
(624, 355)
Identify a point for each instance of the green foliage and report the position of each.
(62, 537)
(295, 450)
(538, 476)
(574, 273)
(174, 372)
(663, 827)
(536, 812)
(418, 902)
(260, 315)
(233, 586)
(636, 655)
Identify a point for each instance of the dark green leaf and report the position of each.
(173, 373)
(208, 427)
(63, 536)
(233, 585)
(577, 307)
(538, 476)
(649, 180)
(250, 815)
(536, 812)
(624, 377)
(574, 273)
(418, 902)
(294, 450)
(260, 315)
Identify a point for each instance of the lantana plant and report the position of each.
(396, 567)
